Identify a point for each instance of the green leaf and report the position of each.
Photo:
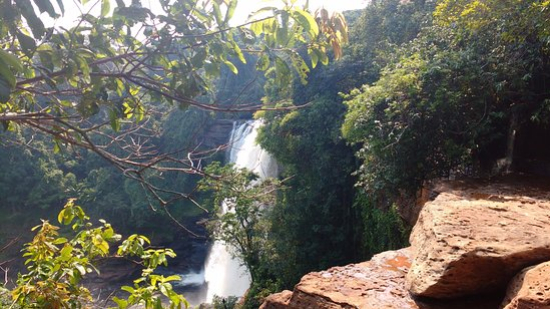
(61, 7)
(122, 304)
(60, 216)
(46, 6)
(45, 53)
(217, 13)
(84, 68)
(105, 7)
(282, 35)
(81, 269)
(120, 87)
(128, 289)
(28, 44)
(5, 91)
(263, 62)
(27, 10)
(199, 58)
(65, 253)
(103, 246)
(108, 233)
(65, 216)
(239, 52)
(7, 75)
(307, 21)
(158, 304)
(230, 11)
(257, 27)
(231, 67)
(11, 60)
(322, 56)
(172, 278)
(115, 122)
(85, 53)
(282, 67)
(56, 147)
(300, 66)
(60, 241)
(144, 239)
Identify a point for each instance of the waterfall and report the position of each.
(224, 274)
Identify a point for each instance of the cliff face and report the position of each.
(467, 246)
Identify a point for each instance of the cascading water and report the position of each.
(223, 274)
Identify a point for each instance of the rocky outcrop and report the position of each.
(530, 289)
(473, 241)
(277, 301)
(375, 284)
(466, 246)
(217, 134)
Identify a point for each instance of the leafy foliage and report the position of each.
(242, 225)
(5, 299)
(409, 133)
(321, 219)
(318, 202)
(56, 265)
(436, 95)
(184, 40)
(99, 84)
(225, 303)
(445, 103)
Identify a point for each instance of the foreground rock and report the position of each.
(374, 284)
(277, 301)
(377, 284)
(473, 239)
(529, 289)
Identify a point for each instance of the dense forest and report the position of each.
(360, 110)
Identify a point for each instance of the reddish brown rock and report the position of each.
(472, 239)
(277, 301)
(530, 289)
(377, 284)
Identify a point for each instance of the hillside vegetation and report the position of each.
(360, 113)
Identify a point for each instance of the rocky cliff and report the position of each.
(479, 244)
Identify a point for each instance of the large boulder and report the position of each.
(376, 284)
(473, 239)
(529, 289)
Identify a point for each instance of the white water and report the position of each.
(224, 276)
(192, 279)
